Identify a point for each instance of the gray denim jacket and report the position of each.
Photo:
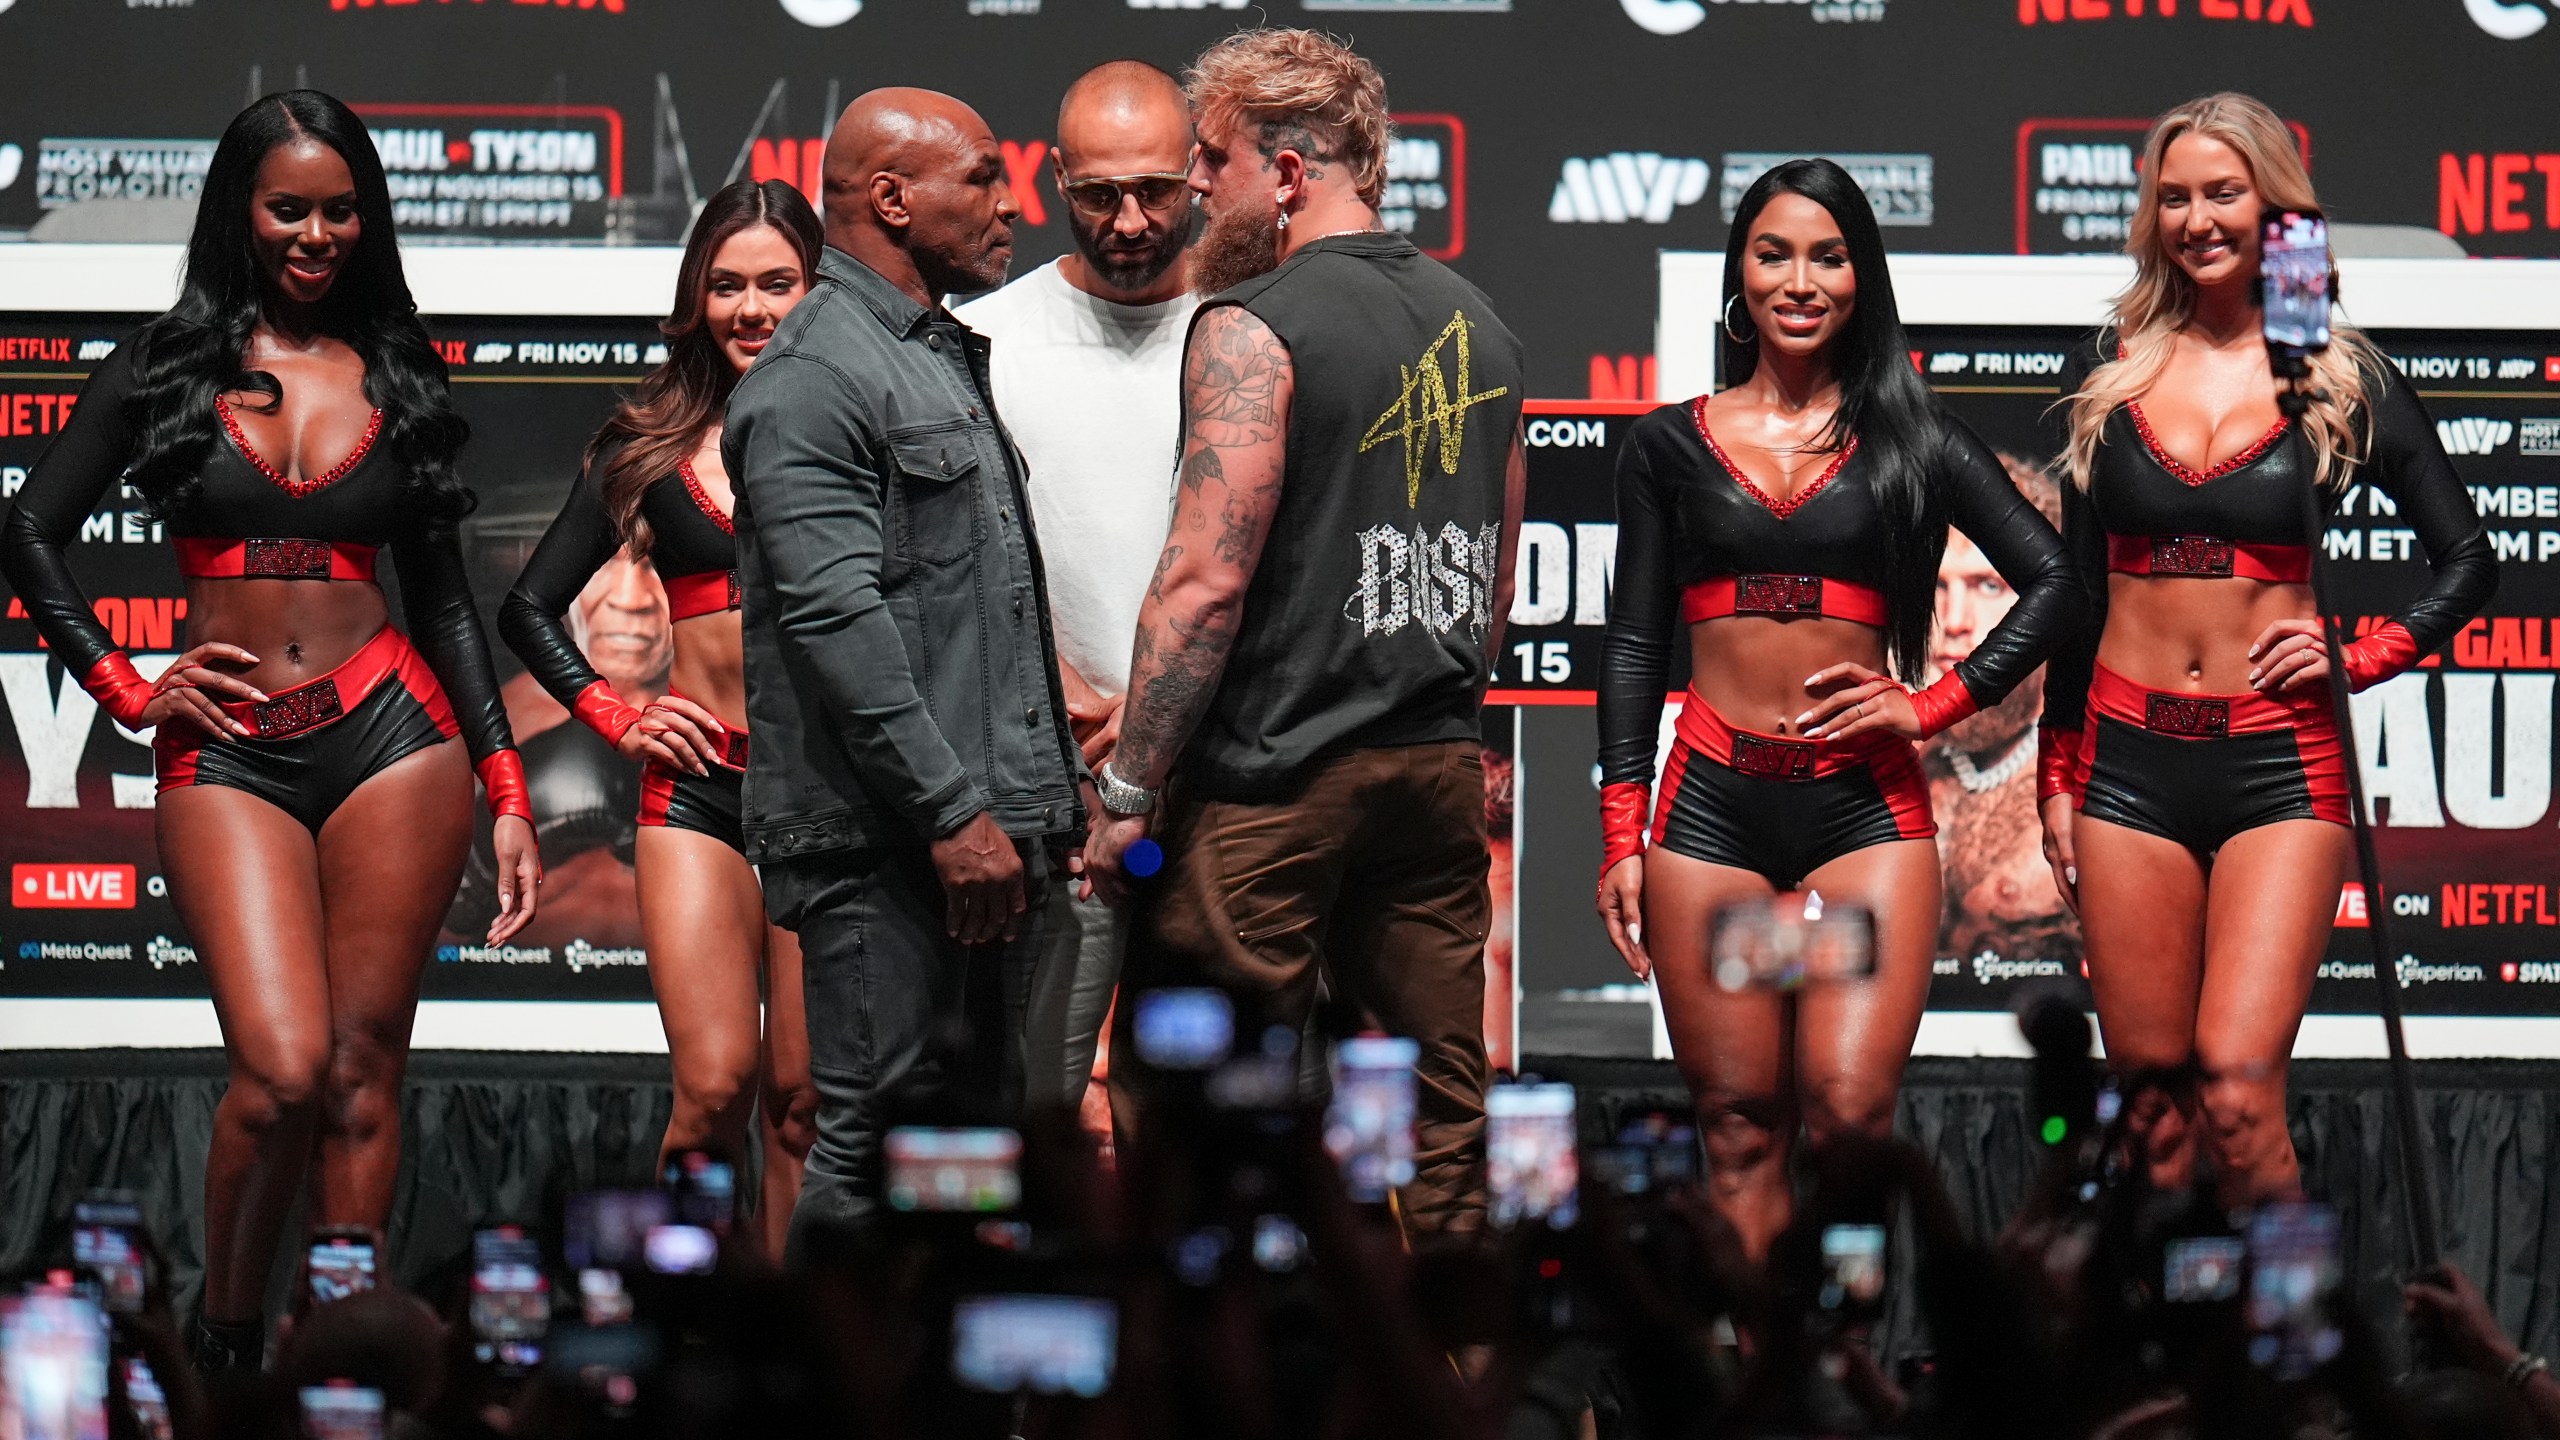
(900, 671)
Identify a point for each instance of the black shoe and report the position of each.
(230, 1345)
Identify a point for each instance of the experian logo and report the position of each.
(2473, 434)
(1617, 188)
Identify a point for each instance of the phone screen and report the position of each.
(113, 1254)
(1852, 1268)
(1184, 1029)
(1653, 1149)
(510, 1298)
(53, 1367)
(2293, 279)
(340, 1266)
(148, 1402)
(609, 1229)
(705, 1188)
(682, 1250)
(1530, 1162)
(973, 1169)
(1047, 1344)
(341, 1411)
(2200, 1269)
(2293, 1267)
(1784, 942)
(1369, 1125)
(602, 1300)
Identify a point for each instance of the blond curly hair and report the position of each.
(1298, 90)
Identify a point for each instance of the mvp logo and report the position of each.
(1615, 189)
(2473, 435)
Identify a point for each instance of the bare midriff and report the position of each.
(711, 667)
(1752, 668)
(2179, 634)
(300, 630)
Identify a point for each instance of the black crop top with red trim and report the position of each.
(2147, 513)
(247, 520)
(1697, 539)
(691, 543)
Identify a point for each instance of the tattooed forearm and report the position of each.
(1173, 671)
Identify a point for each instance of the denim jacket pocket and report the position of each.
(935, 510)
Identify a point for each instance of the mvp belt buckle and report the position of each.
(1777, 594)
(271, 559)
(2201, 556)
(2190, 716)
(733, 749)
(1773, 759)
(296, 711)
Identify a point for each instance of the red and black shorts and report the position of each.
(2199, 769)
(705, 804)
(311, 746)
(1785, 807)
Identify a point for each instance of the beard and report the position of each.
(1236, 244)
(1126, 267)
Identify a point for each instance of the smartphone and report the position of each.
(341, 1264)
(1369, 1125)
(2200, 1269)
(1046, 1344)
(609, 1229)
(1786, 942)
(1653, 1149)
(2293, 1269)
(976, 1168)
(704, 1187)
(609, 1363)
(1184, 1029)
(106, 1241)
(2294, 280)
(681, 1250)
(510, 1299)
(53, 1367)
(1852, 1270)
(1531, 1166)
(341, 1410)
(602, 1300)
(148, 1402)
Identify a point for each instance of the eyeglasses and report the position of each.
(1101, 196)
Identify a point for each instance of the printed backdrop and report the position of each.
(1547, 148)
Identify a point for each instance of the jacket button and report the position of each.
(934, 341)
(1030, 714)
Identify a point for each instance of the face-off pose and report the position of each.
(654, 484)
(913, 759)
(1792, 525)
(1087, 368)
(2195, 804)
(1312, 655)
(288, 420)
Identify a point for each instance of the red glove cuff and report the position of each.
(1942, 704)
(120, 689)
(2379, 656)
(503, 775)
(2057, 763)
(1624, 810)
(604, 712)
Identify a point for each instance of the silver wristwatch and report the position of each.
(1119, 796)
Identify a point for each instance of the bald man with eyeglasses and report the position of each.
(1087, 366)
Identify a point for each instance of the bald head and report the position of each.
(915, 182)
(1122, 101)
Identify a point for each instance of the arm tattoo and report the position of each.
(1235, 388)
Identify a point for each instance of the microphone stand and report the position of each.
(2417, 1176)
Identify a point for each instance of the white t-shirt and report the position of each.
(1092, 391)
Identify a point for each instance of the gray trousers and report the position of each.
(905, 1023)
(1071, 989)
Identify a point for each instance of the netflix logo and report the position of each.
(71, 887)
(2271, 12)
(2497, 193)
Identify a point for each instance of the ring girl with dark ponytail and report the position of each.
(2194, 794)
(286, 421)
(653, 484)
(1787, 530)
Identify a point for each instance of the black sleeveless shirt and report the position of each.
(1368, 616)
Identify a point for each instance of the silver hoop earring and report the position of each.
(1729, 332)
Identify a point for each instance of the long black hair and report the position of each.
(197, 350)
(1883, 403)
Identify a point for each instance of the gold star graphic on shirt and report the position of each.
(1428, 401)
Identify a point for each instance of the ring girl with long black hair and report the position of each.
(1788, 530)
(287, 420)
(653, 484)
(2194, 794)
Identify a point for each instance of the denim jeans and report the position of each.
(906, 1025)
